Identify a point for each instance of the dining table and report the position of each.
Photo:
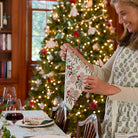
(20, 130)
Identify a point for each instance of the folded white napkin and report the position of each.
(36, 120)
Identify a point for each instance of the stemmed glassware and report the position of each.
(9, 93)
(19, 104)
(14, 116)
(13, 104)
(13, 113)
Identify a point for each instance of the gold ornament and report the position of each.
(96, 46)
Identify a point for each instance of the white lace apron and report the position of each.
(121, 117)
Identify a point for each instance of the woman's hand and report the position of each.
(92, 84)
(64, 48)
(63, 53)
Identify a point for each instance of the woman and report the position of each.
(118, 78)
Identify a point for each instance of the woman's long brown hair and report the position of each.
(127, 38)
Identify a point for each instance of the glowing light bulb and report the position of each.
(39, 97)
(44, 62)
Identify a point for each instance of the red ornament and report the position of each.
(76, 33)
(48, 80)
(108, 23)
(31, 104)
(43, 51)
(93, 105)
(72, 1)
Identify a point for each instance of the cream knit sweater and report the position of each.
(129, 94)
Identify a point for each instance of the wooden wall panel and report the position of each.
(22, 86)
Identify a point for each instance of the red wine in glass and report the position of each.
(14, 117)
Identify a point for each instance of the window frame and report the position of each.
(29, 29)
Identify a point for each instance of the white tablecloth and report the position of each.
(21, 132)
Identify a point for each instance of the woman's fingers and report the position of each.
(66, 45)
(62, 55)
(87, 90)
(64, 48)
(89, 79)
(89, 84)
(63, 51)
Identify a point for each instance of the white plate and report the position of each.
(19, 123)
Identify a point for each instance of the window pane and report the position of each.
(39, 21)
(38, 24)
(43, 4)
(50, 4)
(38, 4)
(47, 15)
(36, 46)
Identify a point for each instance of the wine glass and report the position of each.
(14, 104)
(19, 104)
(11, 104)
(14, 114)
(9, 93)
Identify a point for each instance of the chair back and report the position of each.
(58, 115)
(91, 126)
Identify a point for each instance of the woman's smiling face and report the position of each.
(128, 15)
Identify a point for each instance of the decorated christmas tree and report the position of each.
(86, 26)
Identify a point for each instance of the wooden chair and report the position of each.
(91, 126)
(58, 115)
